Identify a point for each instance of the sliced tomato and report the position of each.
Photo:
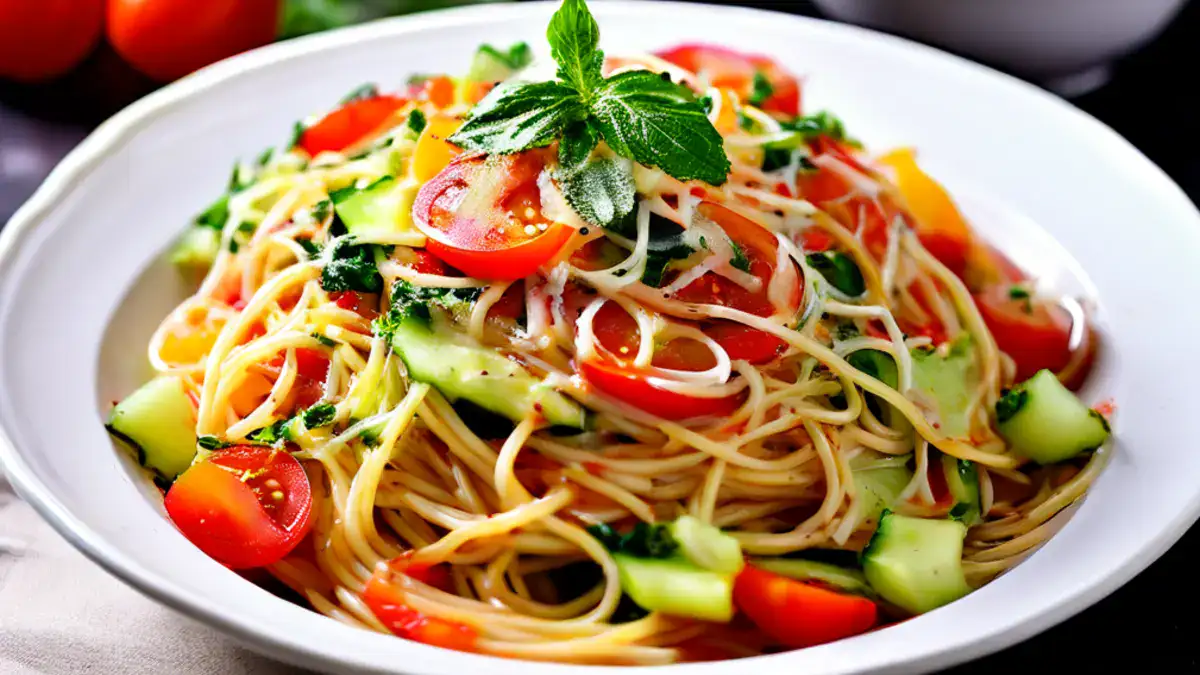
(387, 603)
(799, 614)
(245, 506)
(816, 240)
(632, 387)
(428, 263)
(349, 124)
(365, 305)
(1035, 334)
(482, 214)
(729, 69)
(743, 343)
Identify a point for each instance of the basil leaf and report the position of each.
(417, 122)
(352, 269)
(656, 122)
(577, 144)
(739, 261)
(839, 270)
(574, 36)
(601, 191)
(517, 116)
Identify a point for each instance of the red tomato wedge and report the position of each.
(729, 69)
(761, 249)
(349, 124)
(245, 506)
(799, 614)
(631, 386)
(482, 215)
(1035, 334)
(387, 603)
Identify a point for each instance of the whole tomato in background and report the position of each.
(42, 39)
(167, 39)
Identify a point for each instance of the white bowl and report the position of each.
(1066, 44)
(82, 283)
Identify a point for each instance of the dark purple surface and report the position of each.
(1151, 100)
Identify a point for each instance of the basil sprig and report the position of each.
(641, 115)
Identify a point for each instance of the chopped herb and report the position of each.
(1010, 404)
(211, 443)
(821, 123)
(643, 541)
(351, 269)
(312, 248)
(762, 89)
(706, 102)
(746, 122)
(215, 215)
(845, 330)
(279, 431)
(325, 340)
(241, 236)
(703, 243)
(639, 114)
(739, 261)
(839, 270)
(1021, 293)
(414, 302)
(320, 415)
(297, 133)
(265, 158)
(321, 210)
(775, 159)
(417, 122)
(363, 91)
(370, 436)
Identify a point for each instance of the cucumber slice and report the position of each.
(1047, 423)
(677, 587)
(880, 489)
(707, 546)
(383, 206)
(480, 375)
(492, 65)
(962, 477)
(948, 383)
(159, 421)
(842, 578)
(916, 563)
(877, 364)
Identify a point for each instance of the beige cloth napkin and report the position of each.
(60, 614)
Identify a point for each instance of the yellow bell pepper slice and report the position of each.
(433, 152)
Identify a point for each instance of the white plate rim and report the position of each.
(81, 160)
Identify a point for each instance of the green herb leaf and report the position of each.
(659, 123)
(577, 143)
(822, 123)
(574, 37)
(516, 116)
(643, 541)
(761, 90)
(312, 248)
(417, 122)
(739, 261)
(319, 415)
(351, 269)
(324, 340)
(601, 191)
(297, 133)
(321, 210)
(273, 434)
(414, 302)
(775, 159)
(264, 158)
(1010, 404)
(839, 270)
(215, 215)
(211, 443)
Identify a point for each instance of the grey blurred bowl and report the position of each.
(1068, 45)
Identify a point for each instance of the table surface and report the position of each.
(39, 125)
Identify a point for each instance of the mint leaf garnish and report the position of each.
(659, 123)
(518, 116)
(574, 37)
(601, 192)
(641, 115)
(577, 143)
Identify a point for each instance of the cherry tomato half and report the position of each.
(245, 506)
(167, 39)
(349, 124)
(728, 69)
(482, 215)
(799, 614)
(42, 39)
(1035, 334)
(387, 603)
(631, 386)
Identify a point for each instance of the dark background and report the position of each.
(1151, 100)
